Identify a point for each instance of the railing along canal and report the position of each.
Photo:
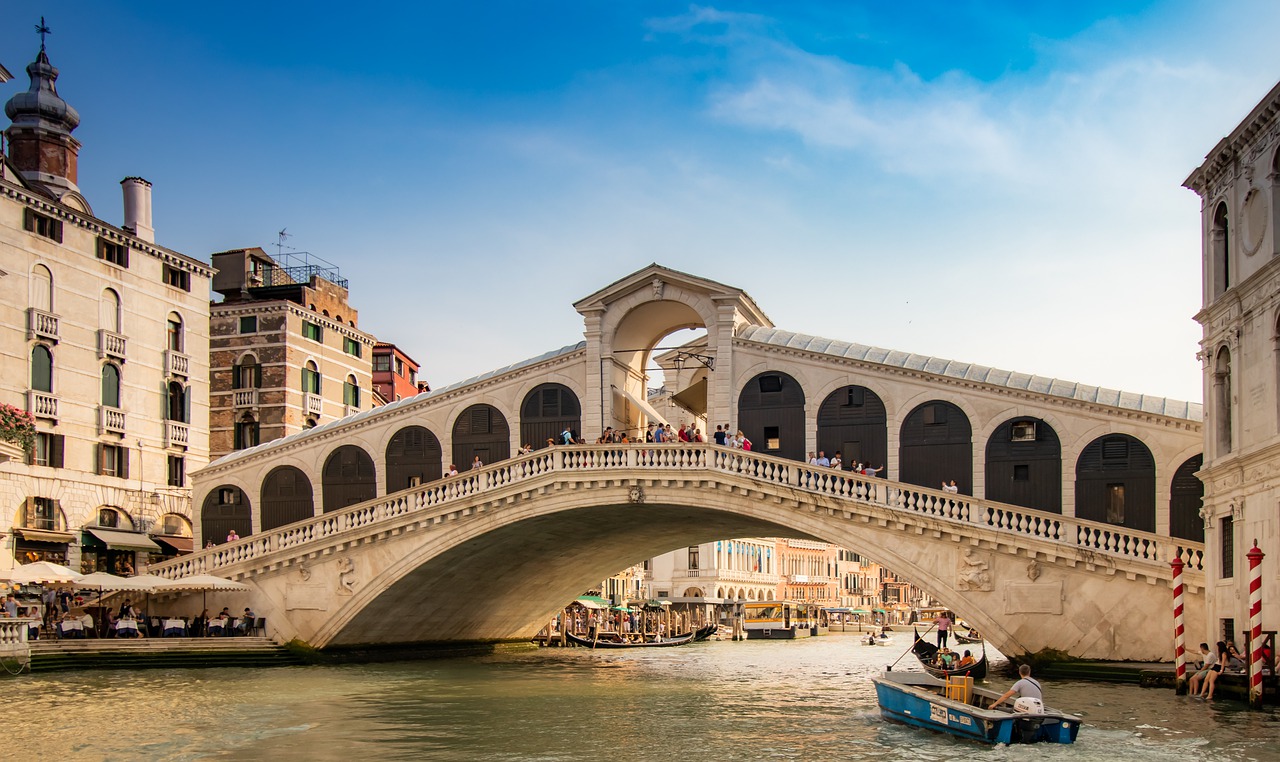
(671, 460)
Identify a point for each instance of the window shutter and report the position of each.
(186, 404)
(99, 456)
(28, 220)
(257, 376)
(55, 450)
(30, 458)
(123, 458)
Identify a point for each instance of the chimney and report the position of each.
(137, 208)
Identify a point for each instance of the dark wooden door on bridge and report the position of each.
(1024, 465)
(1116, 483)
(480, 431)
(771, 415)
(348, 478)
(546, 412)
(413, 457)
(286, 497)
(1186, 499)
(936, 446)
(225, 509)
(852, 421)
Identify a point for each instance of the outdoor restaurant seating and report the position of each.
(127, 628)
(71, 628)
(174, 628)
(216, 627)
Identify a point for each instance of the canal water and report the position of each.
(807, 699)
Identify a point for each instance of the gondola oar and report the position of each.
(909, 648)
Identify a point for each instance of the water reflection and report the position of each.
(724, 701)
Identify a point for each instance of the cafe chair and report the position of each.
(259, 626)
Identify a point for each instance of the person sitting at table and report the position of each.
(86, 624)
(246, 623)
(217, 625)
(198, 624)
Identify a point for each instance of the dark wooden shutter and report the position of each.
(123, 461)
(55, 450)
(28, 220)
(55, 229)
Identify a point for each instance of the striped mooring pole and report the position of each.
(1255, 557)
(1179, 636)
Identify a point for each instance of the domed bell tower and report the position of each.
(40, 142)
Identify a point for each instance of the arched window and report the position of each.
(41, 369)
(480, 432)
(1024, 465)
(852, 421)
(42, 288)
(113, 518)
(111, 385)
(1186, 497)
(548, 410)
(1220, 250)
(1222, 400)
(247, 432)
(351, 392)
(413, 458)
(109, 311)
(286, 497)
(348, 478)
(178, 403)
(176, 341)
(310, 378)
(1116, 483)
(247, 373)
(175, 525)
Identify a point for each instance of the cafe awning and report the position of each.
(44, 535)
(650, 412)
(116, 539)
(592, 602)
(693, 399)
(179, 544)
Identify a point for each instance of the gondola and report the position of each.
(926, 652)
(965, 638)
(703, 633)
(678, 640)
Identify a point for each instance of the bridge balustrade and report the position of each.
(666, 459)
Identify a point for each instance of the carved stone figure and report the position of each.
(973, 572)
(1033, 570)
(658, 287)
(346, 576)
(304, 572)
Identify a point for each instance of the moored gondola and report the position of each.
(966, 638)
(703, 633)
(927, 654)
(616, 642)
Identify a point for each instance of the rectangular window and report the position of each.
(935, 415)
(1227, 526)
(246, 435)
(43, 514)
(313, 331)
(310, 381)
(413, 377)
(693, 557)
(857, 397)
(42, 225)
(113, 460)
(249, 324)
(47, 451)
(1115, 504)
(382, 363)
(770, 384)
(177, 471)
(1022, 473)
(399, 367)
(351, 346)
(115, 253)
(176, 277)
(350, 395)
(772, 438)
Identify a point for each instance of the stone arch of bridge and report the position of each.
(480, 561)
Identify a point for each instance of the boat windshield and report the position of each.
(765, 612)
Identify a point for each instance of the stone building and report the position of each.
(285, 351)
(1239, 189)
(103, 337)
(807, 572)
(723, 571)
(395, 374)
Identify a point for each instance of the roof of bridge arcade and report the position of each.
(643, 278)
(976, 373)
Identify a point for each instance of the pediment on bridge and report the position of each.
(656, 283)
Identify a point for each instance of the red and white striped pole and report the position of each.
(1255, 557)
(1179, 637)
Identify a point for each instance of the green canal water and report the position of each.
(808, 699)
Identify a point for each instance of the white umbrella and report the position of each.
(103, 581)
(42, 573)
(202, 582)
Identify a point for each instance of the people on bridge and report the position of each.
(232, 536)
(1027, 689)
(950, 487)
(721, 436)
(823, 460)
(476, 463)
(453, 470)
(836, 462)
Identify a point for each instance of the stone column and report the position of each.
(593, 407)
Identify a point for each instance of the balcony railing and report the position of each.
(176, 363)
(111, 345)
(110, 420)
(244, 398)
(42, 405)
(176, 434)
(41, 324)
(349, 410)
(314, 404)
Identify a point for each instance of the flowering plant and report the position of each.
(17, 426)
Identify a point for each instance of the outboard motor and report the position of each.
(1030, 718)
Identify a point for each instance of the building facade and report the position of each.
(286, 353)
(104, 339)
(1239, 189)
(395, 374)
(724, 571)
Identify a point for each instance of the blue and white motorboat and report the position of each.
(956, 707)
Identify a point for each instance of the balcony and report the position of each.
(42, 405)
(349, 410)
(111, 345)
(314, 404)
(176, 363)
(176, 434)
(244, 398)
(110, 420)
(42, 325)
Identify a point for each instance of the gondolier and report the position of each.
(943, 623)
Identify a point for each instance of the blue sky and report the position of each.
(988, 182)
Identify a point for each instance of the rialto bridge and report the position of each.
(349, 535)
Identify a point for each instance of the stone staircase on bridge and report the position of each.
(153, 653)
